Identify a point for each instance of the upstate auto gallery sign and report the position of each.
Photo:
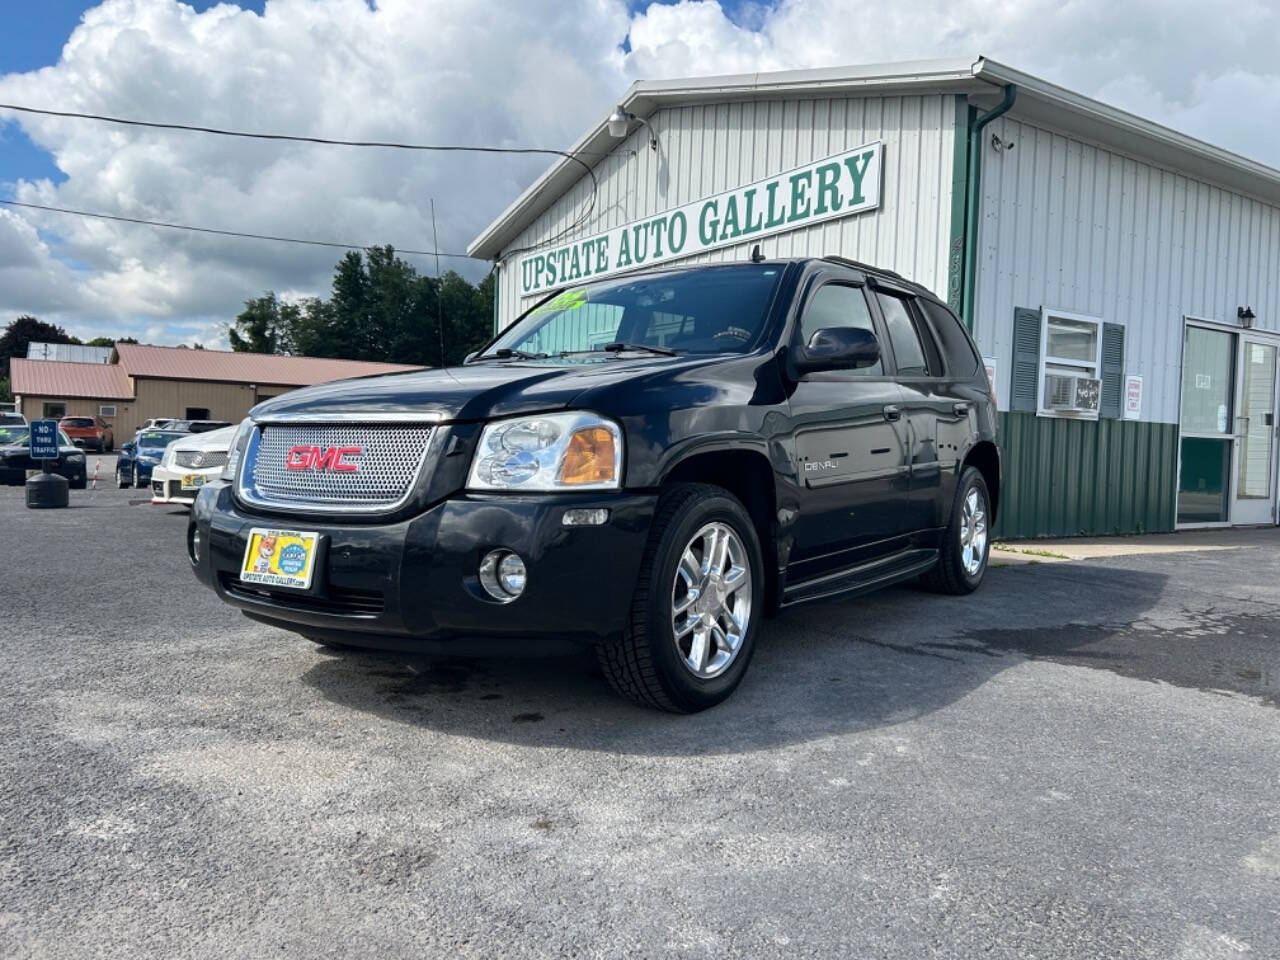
(840, 185)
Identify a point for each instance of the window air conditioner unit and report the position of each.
(1072, 394)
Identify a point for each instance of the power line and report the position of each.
(329, 141)
(227, 233)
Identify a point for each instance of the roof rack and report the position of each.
(858, 265)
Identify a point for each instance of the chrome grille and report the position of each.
(200, 459)
(391, 456)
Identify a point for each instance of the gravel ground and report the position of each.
(1080, 761)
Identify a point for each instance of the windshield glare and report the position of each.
(709, 310)
(160, 440)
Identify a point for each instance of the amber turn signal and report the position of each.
(591, 458)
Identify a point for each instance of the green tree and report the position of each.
(265, 325)
(23, 331)
(381, 308)
(6, 394)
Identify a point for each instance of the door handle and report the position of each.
(893, 412)
(960, 409)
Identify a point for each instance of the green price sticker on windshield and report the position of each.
(569, 300)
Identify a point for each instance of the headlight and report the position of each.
(558, 451)
(75, 458)
(238, 444)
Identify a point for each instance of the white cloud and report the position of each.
(531, 73)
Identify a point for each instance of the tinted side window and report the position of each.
(908, 349)
(962, 358)
(837, 305)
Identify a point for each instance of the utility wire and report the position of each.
(328, 141)
(228, 233)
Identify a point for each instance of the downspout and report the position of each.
(497, 292)
(972, 192)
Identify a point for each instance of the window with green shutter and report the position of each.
(1066, 364)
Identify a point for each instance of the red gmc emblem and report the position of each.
(323, 458)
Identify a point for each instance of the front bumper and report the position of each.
(166, 484)
(414, 584)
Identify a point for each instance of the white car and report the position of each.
(189, 464)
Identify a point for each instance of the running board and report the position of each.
(864, 577)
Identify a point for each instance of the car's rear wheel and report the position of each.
(697, 605)
(137, 480)
(962, 561)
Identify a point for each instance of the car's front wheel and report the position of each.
(962, 561)
(137, 480)
(697, 605)
(121, 480)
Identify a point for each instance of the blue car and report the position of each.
(141, 454)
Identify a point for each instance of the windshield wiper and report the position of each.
(506, 354)
(620, 347)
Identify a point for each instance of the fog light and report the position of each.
(503, 575)
(585, 518)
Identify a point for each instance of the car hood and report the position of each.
(215, 440)
(474, 392)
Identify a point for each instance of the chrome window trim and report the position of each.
(245, 493)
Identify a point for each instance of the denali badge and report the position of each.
(323, 458)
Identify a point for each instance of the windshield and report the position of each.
(706, 310)
(158, 440)
(19, 436)
(77, 422)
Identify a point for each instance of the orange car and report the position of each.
(89, 432)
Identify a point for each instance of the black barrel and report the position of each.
(47, 490)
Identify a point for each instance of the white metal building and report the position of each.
(1122, 279)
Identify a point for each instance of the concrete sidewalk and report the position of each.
(1089, 548)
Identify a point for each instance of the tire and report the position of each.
(136, 481)
(79, 483)
(952, 574)
(649, 663)
(121, 482)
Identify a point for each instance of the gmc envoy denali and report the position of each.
(648, 465)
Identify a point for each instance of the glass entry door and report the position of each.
(1255, 432)
(1207, 432)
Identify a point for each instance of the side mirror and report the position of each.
(127, 448)
(837, 348)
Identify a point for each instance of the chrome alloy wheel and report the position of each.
(973, 532)
(711, 600)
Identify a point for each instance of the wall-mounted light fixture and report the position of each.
(619, 121)
(1246, 316)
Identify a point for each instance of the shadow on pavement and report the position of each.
(818, 670)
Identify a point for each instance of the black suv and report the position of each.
(649, 465)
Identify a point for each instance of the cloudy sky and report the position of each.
(516, 73)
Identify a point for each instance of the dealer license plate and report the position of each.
(279, 558)
(193, 481)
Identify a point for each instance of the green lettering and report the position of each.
(575, 266)
(751, 202)
(659, 226)
(858, 172)
(639, 243)
(799, 198)
(775, 216)
(602, 254)
(730, 229)
(674, 245)
(624, 250)
(707, 226)
(828, 178)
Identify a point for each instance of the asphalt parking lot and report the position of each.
(1080, 761)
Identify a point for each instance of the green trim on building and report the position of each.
(1081, 477)
(959, 187)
